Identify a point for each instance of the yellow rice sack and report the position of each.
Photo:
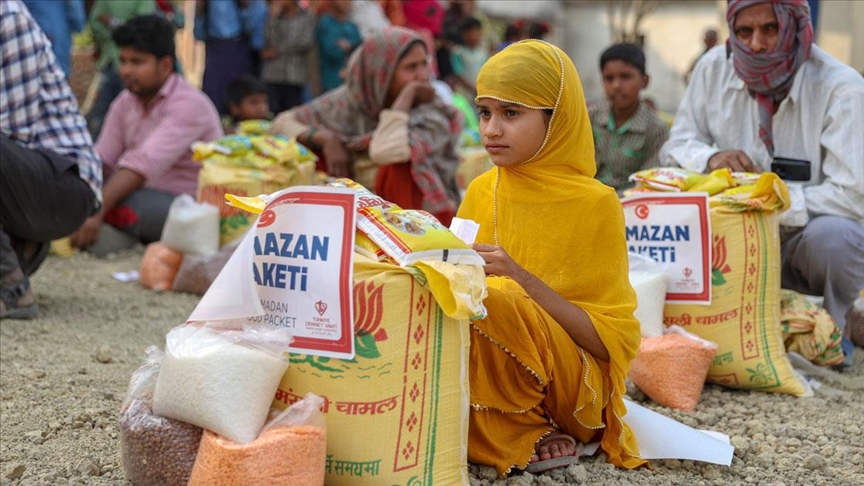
(398, 412)
(744, 315)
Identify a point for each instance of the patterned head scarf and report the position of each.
(769, 75)
(351, 111)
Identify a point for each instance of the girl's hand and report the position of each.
(498, 262)
(336, 155)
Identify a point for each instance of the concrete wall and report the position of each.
(673, 40)
(841, 30)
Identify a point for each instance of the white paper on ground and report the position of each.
(661, 437)
(130, 276)
(465, 229)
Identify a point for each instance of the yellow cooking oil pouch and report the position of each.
(407, 235)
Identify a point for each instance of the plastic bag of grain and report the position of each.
(159, 266)
(222, 380)
(197, 272)
(155, 450)
(191, 227)
(671, 368)
(650, 280)
(291, 449)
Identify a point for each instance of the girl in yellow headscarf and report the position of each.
(548, 362)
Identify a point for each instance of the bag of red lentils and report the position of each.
(291, 449)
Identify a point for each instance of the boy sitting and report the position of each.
(247, 100)
(627, 134)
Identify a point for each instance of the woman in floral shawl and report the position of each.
(387, 111)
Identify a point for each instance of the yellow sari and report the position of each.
(528, 377)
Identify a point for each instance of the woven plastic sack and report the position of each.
(744, 315)
(398, 412)
(671, 368)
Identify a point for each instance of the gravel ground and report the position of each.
(64, 374)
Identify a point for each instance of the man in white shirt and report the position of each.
(770, 92)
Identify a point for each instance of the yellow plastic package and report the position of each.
(407, 235)
(245, 166)
(668, 179)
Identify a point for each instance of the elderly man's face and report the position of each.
(757, 27)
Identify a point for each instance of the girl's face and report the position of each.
(413, 66)
(511, 133)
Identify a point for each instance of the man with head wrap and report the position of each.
(771, 92)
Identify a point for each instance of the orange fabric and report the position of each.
(395, 184)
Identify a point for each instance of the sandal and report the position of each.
(555, 462)
(11, 306)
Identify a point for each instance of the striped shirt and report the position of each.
(627, 149)
(37, 108)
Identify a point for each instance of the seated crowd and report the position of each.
(558, 162)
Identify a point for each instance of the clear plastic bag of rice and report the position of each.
(155, 450)
(671, 369)
(224, 379)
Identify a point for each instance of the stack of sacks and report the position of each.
(671, 364)
(248, 163)
(407, 385)
(220, 381)
(744, 316)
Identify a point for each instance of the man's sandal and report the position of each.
(9, 301)
(556, 462)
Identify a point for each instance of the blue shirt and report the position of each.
(225, 20)
(59, 20)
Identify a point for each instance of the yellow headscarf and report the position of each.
(549, 213)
